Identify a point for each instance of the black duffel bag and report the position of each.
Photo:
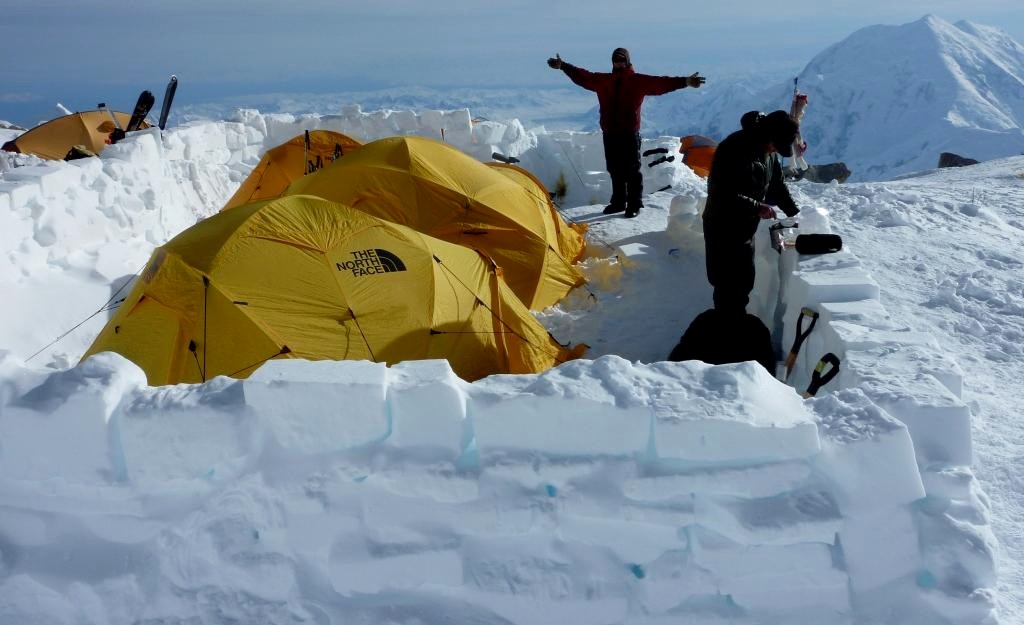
(818, 243)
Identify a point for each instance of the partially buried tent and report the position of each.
(282, 165)
(301, 277)
(698, 151)
(54, 139)
(438, 190)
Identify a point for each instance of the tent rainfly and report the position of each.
(440, 191)
(302, 277)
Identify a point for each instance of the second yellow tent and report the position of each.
(438, 190)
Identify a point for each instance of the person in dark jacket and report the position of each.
(744, 184)
(620, 95)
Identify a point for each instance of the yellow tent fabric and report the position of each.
(438, 190)
(289, 161)
(571, 241)
(302, 277)
(53, 139)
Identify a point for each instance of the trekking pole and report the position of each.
(305, 154)
(800, 336)
(820, 377)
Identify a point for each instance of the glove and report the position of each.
(693, 80)
(765, 211)
(555, 62)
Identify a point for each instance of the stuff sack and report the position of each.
(718, 338)
(818, 243)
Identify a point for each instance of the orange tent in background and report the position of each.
(290, 161)
(55, 138)
(698, 151)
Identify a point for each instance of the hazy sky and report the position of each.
(83, 51)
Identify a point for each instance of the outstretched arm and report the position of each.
(586, 79)
(658, 85)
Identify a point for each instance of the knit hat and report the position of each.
(620, 55)
(781, 130)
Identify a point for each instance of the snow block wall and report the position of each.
(937, 544)
(598, 492)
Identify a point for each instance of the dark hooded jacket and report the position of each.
(621, 93)
(742, 177)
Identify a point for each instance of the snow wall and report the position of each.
(316, 492)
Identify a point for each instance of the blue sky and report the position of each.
(82, 52)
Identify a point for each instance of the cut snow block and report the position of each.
(524, 610)
(774, 579)
(879, 547)
(357, 565)
(839, 337)
(326, 405)
(938, 421)
(59, 429)
(807, 515)
(811, 288)
(581, 407)
(428, 406)
(170, 434)
(54, 177)
(763, 480)
(961, 556)
(736, 413)
(903, 353)
(868, 313)
(866, 455)
(251, 118)
(21, 192)
(629, 541)
(488, 132)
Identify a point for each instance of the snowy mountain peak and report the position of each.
(890, 99)
(887, 100)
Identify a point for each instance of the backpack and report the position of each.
(718, 338)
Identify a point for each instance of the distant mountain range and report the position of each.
(886, 100)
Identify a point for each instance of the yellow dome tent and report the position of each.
(289, 161)
(54, 139)
(438, 190)
(301, 277)
(570, 242)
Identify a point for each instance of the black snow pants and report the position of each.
(730, 267)
(622, 158)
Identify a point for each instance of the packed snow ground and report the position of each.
(604, 491)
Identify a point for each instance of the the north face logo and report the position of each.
(370, 262)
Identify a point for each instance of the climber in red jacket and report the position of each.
(620, 95)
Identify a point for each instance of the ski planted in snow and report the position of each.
(165, 108)
(142, 108)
